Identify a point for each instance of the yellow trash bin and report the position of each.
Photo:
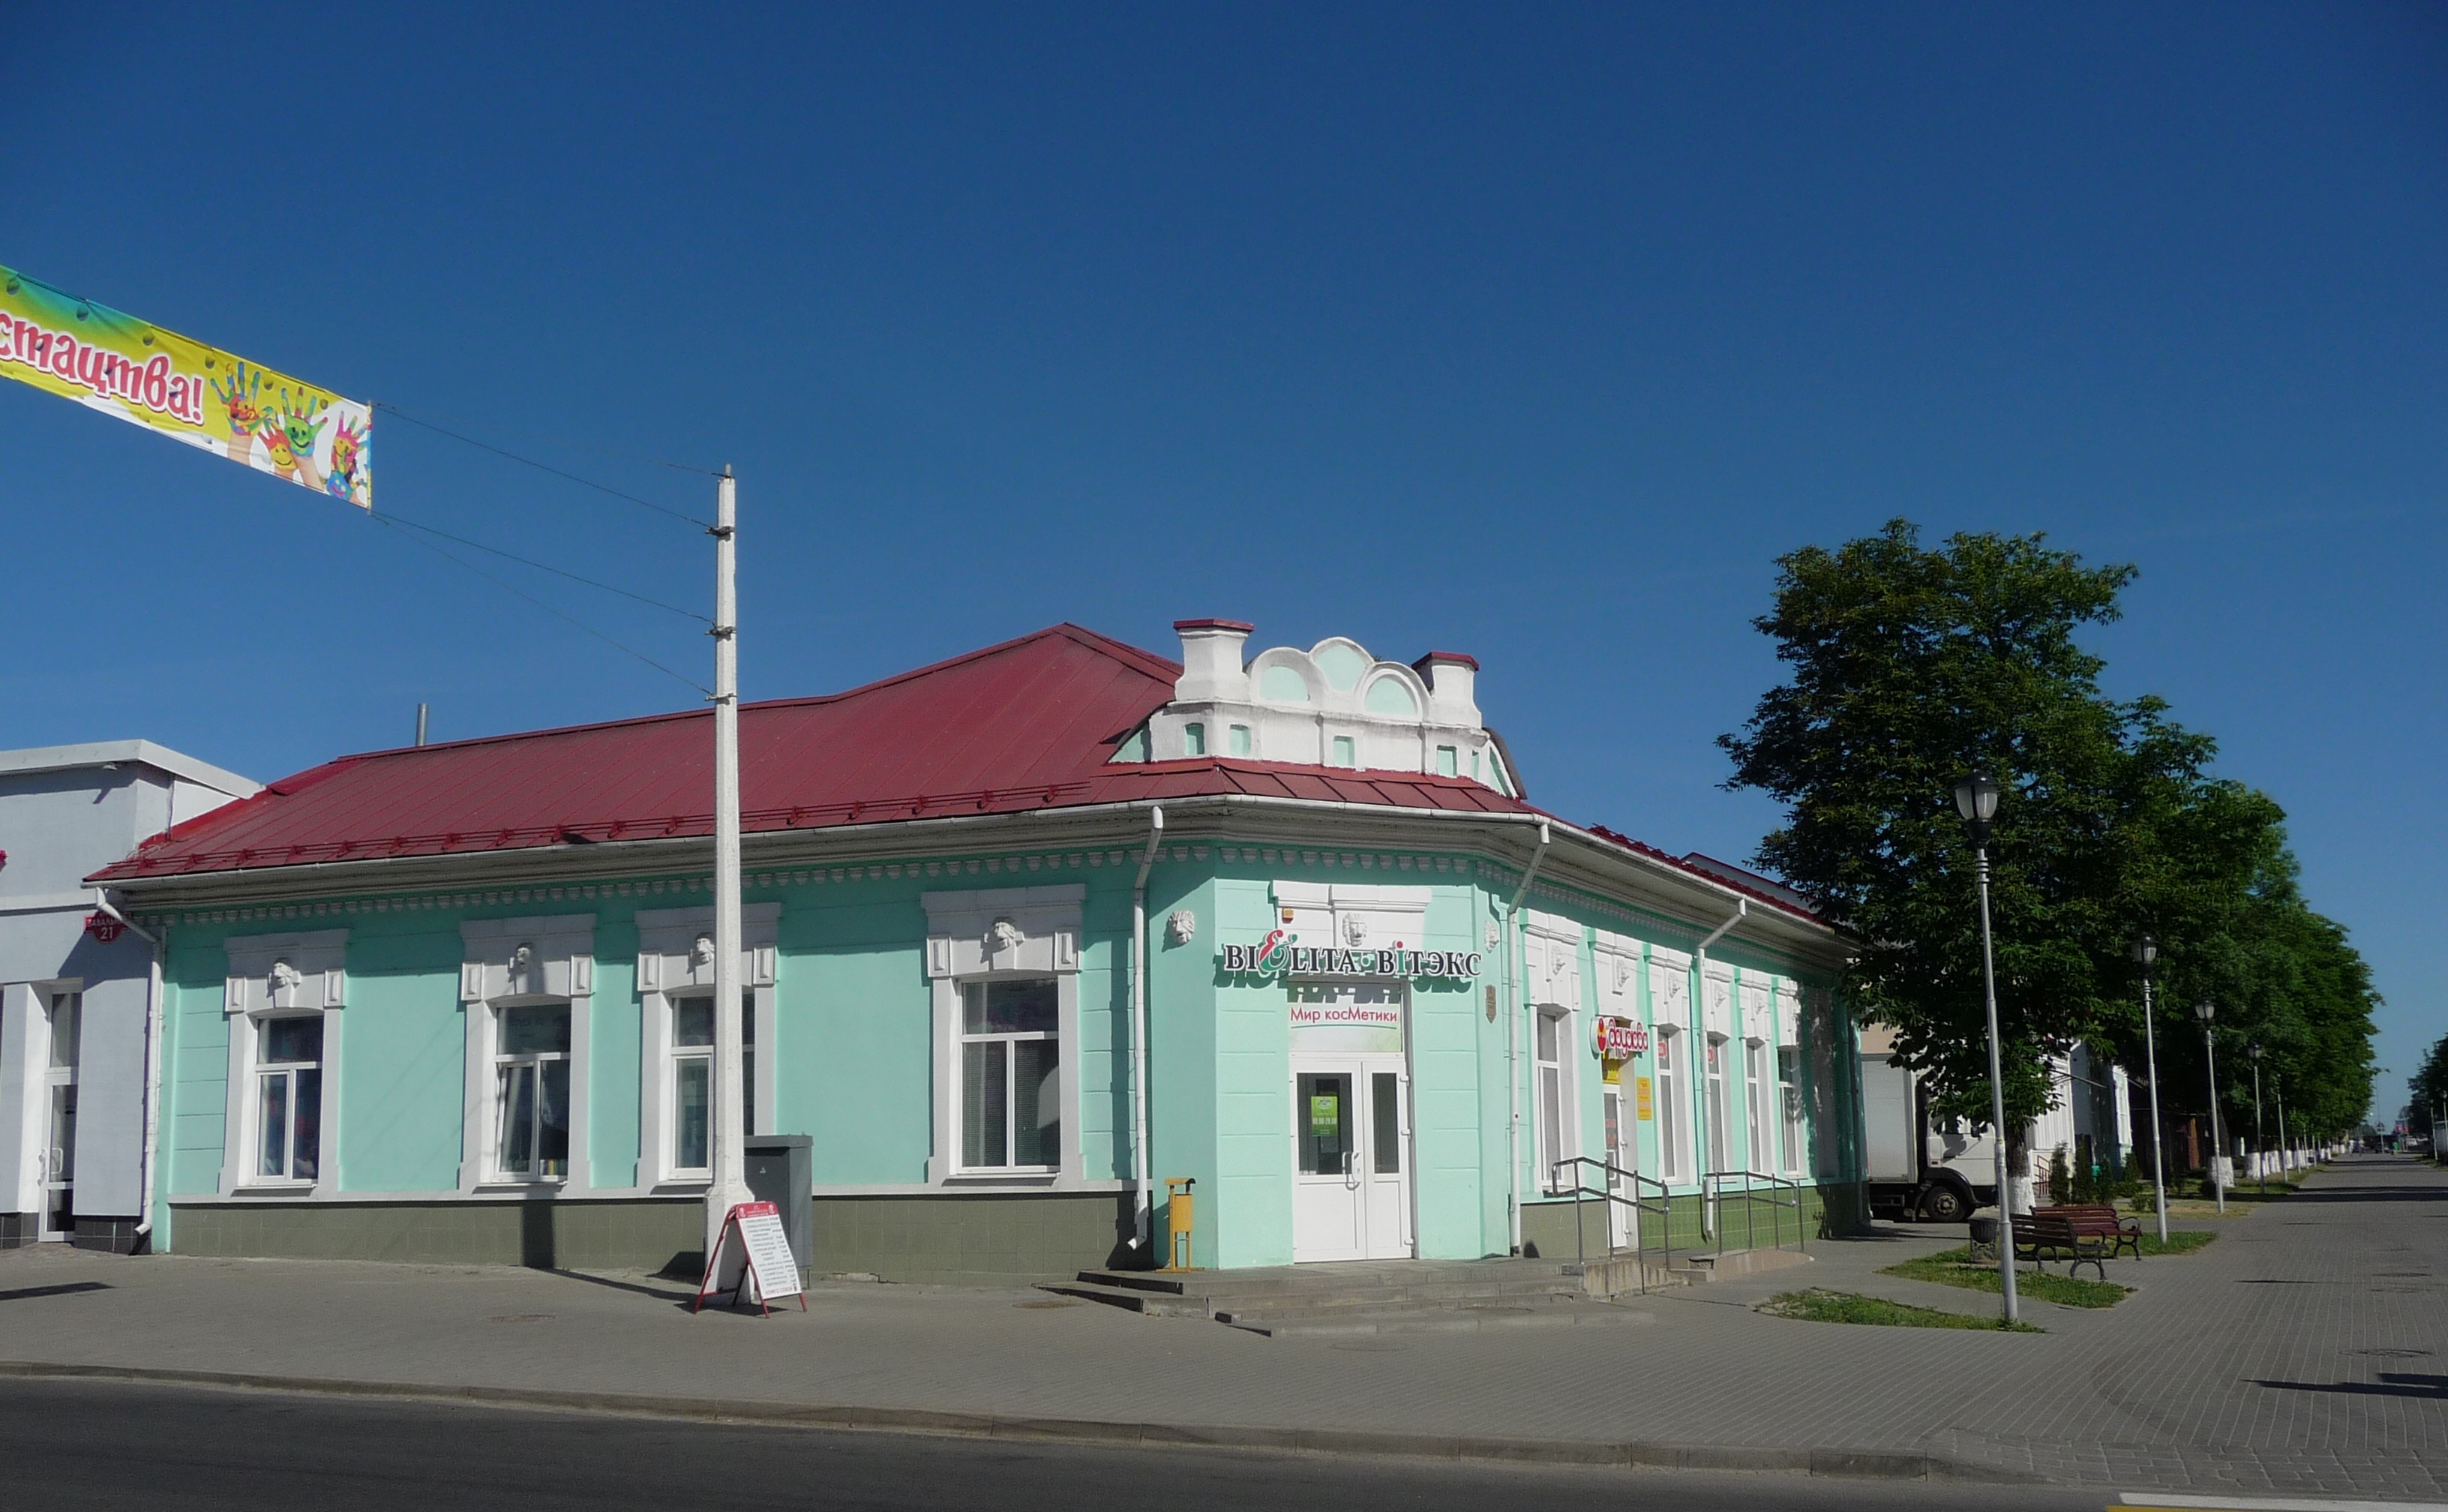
(1177, 1210)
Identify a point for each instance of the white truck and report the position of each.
(1921, 1167)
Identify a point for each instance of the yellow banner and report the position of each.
(200, 394)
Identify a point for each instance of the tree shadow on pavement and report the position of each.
(2391, 1382)
(2363, 1193)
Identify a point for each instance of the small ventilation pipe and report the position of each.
(1512, 1030)
(1140, 1034)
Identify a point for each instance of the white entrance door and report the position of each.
(57, 1153)
(1351, 1139)
(1622, 1147)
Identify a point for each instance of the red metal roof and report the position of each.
(1032, 723)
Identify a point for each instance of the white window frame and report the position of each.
(1674, 1116)
(1565, 1143)
(984, 934)
(509, 1066)
(276, 976)
(1793, 1072)
(1552, 952)
(1009, 1042)
(1716, 1118)
(1759, 1086)
(265, 1069)
(538, 962)
(1669, 1013)
(672, 965)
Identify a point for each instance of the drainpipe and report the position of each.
(152, 1063)
(1139, 1033)
(1701, 1072)
(1513, 1037)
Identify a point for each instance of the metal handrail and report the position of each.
(1712, 1187)
(1608, 1176)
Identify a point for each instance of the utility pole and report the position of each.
(2287, 1156)
(2206, 1011)
(729, 1184)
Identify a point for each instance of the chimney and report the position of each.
(1453, 686)
(1210, 661)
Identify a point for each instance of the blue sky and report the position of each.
(1532, 333)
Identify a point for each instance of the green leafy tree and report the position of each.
(1908, 667)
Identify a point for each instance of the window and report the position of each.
(1193, 739)
(1238, 740)
(1345, 752)
(289, 1099)
(1674, 1113)
(531, 1092)
(692, 1057)
(1720, 1136)
(1448, 762)
(1757, 1090)
(1010, 1049)
(1385, 1137)
(1555, 1115)
(1789, 1087)
(68, 1020)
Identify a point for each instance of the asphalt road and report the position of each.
(105, 1444)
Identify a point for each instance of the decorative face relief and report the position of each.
(1183, 927)
(1355, 930)
(1005, 936)
(701, 951)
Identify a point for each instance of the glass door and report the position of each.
(58, 1151)
(1386, 1187)
(1327, 1206)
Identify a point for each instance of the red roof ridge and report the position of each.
(1146, 662)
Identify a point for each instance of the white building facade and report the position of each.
(79, 988)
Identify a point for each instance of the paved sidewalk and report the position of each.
(2300, 1353)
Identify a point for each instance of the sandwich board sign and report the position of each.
(751, 1250)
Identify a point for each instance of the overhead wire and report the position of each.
(556, 441)
(545, 467)
(542, 566)
(388, 523)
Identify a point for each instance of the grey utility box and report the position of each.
(780, 1171)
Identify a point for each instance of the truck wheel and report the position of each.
(1944, 1204)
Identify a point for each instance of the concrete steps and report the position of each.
(1378, 1296)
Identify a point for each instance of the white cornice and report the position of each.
(1580, 863)
(127, 752)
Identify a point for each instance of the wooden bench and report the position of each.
(2045, 1233)
(2124, 1234)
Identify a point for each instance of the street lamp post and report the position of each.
(2260, 1163)
(2206, 1010)
(1976, 798)
(2145, 950)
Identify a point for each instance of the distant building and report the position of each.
(454, 1003)
(77, 988)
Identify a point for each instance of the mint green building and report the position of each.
(455, 1003)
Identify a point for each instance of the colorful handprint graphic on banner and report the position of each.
(146, 376)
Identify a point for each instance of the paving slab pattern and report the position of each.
(2300, 1353)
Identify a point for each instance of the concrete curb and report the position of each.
(1851, 1463)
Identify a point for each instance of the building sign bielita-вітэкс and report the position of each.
(1278, 954)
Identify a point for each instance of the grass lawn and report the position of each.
(1816, 1306)
(1955, 1267)
(2180, 1241)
